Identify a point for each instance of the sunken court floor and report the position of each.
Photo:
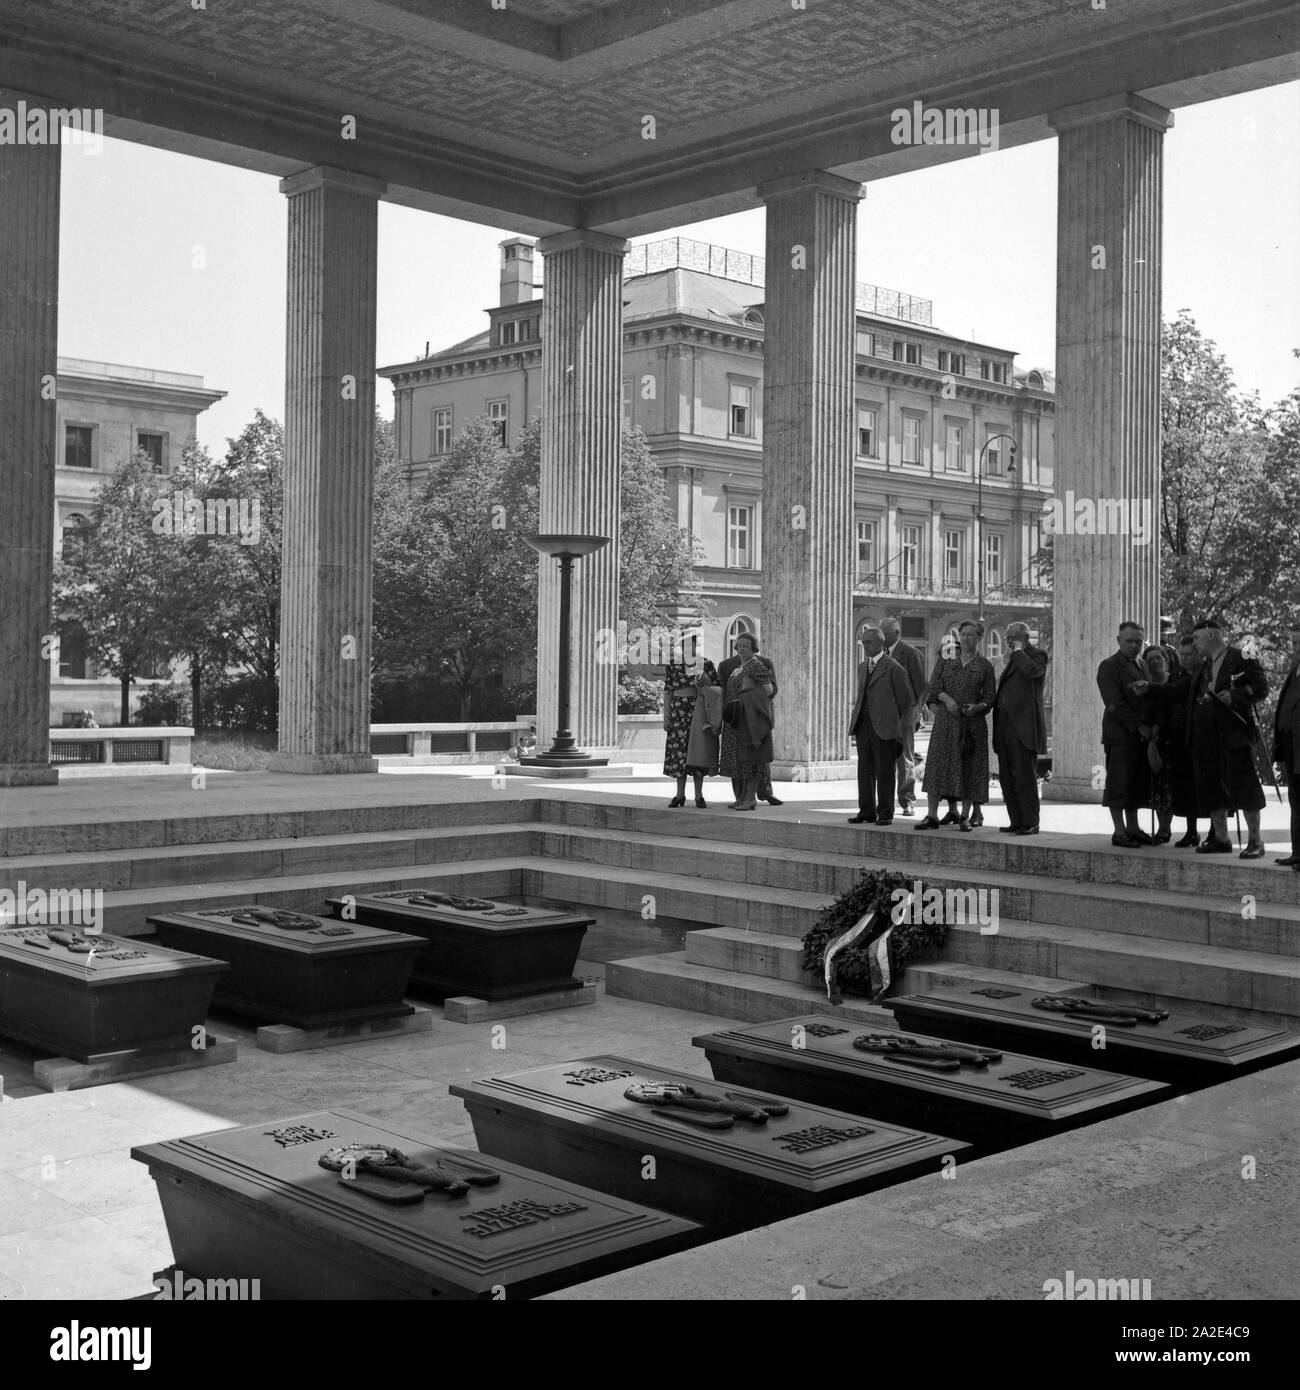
(1194, 1192)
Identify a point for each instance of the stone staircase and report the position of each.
(738, 891)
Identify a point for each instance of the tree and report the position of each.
(113, 576)
(657, 583)
(1221, 548)
(455, 582)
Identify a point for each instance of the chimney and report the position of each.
(517, 270)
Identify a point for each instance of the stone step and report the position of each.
(197, 827)
(1051, 855)
(761, 962)
(1189, 973)
(1257, 926)
(672, 981)
(125, 912)
(157, 866)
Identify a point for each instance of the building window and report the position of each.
(627, 402)
(72, 651)
(992, 560)
(911, 439)
(78, 446)
(742, 409)
(740, 626)
(866, 343)
(1031, 448)
(954, 557)
(993, 371)
(442, 430)
(952, 362)
(994, 647)
(508, 330)
(867, 561)
(909, 556)
(499, 415)
(740, 537)
(866, 431)
(993, 450)
(151, 445)
(74, 528)
(910, 353)
(954, 455)
(1033, 544)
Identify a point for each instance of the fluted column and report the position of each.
(582, 356)
(29, 313)
(808, 552)
(325, 580)
(1107, 478)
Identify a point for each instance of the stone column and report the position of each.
(29, 313)
(808, 560)
(1107, 411)
(328, 473)
(582, 357)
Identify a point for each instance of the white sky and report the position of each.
(978, 237)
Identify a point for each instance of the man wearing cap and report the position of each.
(1286, 743)
(1020, 729)
(1224, 697)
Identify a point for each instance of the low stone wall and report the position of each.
(136, 751)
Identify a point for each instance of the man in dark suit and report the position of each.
(1286, 743)
(884, 699)
(1227, 690)
(914, 668)
(1122, 680)
(1020, 729)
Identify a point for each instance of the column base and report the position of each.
(599, 772)
(814, 772)
(1063, 787)
(331, 764)
(28, 775)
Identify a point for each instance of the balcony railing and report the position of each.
(875, 583)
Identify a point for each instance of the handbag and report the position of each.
(732, 713)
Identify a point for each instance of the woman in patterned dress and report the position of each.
(679, 706)
(962, 690)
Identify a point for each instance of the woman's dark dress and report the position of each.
(947, 770)
(677, 721)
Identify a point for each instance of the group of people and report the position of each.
(1180, 736)
(720, 722)
(1178, 729)
(962, 691)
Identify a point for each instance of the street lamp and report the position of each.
(979, 505)
(565, 549)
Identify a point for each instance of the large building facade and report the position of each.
(945, 431)
(106, 414)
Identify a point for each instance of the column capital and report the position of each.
(324, 176)
(576, 237)
(848, 189)
(1122, 105)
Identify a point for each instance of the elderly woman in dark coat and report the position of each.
(753, 685)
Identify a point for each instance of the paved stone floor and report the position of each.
(75, 802)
